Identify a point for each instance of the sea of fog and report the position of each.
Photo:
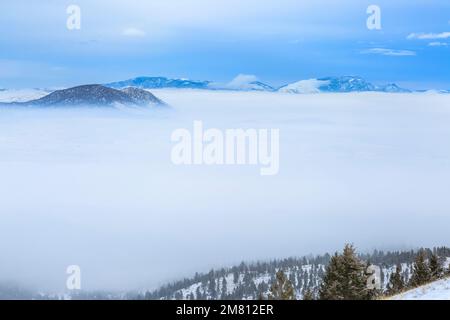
(97, 188)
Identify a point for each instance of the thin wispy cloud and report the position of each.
(438, 44)
(133, 32)
(429, 36)
(389, 52)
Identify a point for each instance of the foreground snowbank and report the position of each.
(438, 290)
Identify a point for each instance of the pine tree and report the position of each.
(436, 269)
(396, 283)
(282, 288)
(235, 276)
(421, 271)
(345, 278)
(224, 288)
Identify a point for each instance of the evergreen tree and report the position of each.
(198, 294)
(436, 269)
(235, 276)
(421, 270)
(282, 288)
(396, 283)
(212, 288)
(224, 288)
(345, 278)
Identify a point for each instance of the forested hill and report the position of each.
(253, 280)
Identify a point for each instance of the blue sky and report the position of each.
(279, 41)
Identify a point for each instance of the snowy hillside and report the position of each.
(251, 83)
(339, 84)
(249, 284)
(250, 281)
(438, 290)
(159, 82)
(240, 83)
(304, 86)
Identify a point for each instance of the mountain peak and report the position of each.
(95, 95)
(338, 84)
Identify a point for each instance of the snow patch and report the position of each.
(305, 86)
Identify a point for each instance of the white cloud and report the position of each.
(429, 36)
(133, 32)
(242, 81)
(438, 44)
(389, 52)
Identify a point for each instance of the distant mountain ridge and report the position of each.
(339, 84)
(319, 85)
(163, 82)
(94, 95)
(159, 82)
(135, 91)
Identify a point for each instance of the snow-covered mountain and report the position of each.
(392, 87)
(434, 91)
(163, 82)
(142, 97)
(159, 82)
(93, 95)
(305, 86)
(250, 83)
(338, 84)
(246, 86)
(437, 290)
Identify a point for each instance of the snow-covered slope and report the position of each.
(304, 86)
(338, 84)
(438, 290)
(251, 83)
(159, 82)
(248, 86)
(240, 83)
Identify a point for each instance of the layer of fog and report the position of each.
(97, 188)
